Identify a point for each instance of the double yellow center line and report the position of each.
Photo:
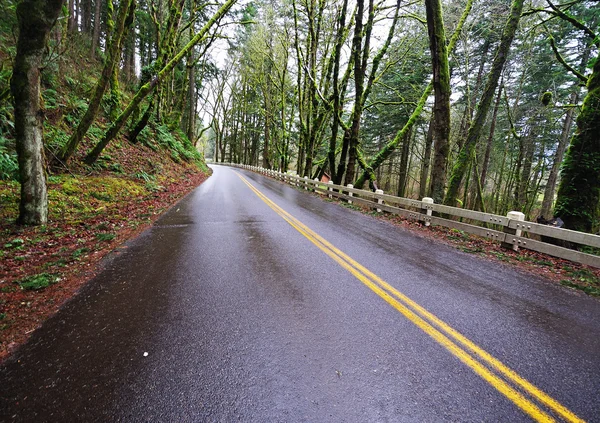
(521, 392)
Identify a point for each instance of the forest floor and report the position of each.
(92, 211)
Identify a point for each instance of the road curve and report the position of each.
(251, 300)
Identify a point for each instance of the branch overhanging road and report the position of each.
(251, 300)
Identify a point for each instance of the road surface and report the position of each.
(254, 301)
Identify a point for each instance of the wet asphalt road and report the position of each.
(224, 312)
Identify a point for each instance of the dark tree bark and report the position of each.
(337, 107)
(128, 71)
(190, 127)
(86, 16)
(96, 30)
(360, 56)
(466, 153)
(404, 156)
(72, 23)
(36, 19)
(441, 89)
(141, 124)
(526, 150)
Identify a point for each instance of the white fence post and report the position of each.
(306, 183)
(427, 210)
(379, 200)
(519, 217)
(316, 184)
(350, 194)
(330, 189)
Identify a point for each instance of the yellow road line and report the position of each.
(387, 292)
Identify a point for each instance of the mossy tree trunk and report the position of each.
(391, 146)
(148, 87)
(337, 106)
(36, 19)
(563, 143)
(125, 17)
(166, 46)
(441, 90)
(361, 57)
(483, 107)
(579, 189)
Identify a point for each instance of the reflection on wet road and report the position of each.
(255, 301)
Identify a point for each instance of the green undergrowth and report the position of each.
(160, 137)
(37, 282)
(583, 280)
(73, 199)
(64, 100)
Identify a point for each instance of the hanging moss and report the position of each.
(546, 98)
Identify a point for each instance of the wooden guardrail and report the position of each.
(510, 230)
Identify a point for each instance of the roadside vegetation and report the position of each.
(60, 212)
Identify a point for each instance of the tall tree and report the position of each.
(390, 147)
(440, 119)
(36, 19)
(124, 19)
(147, 88)
(96, 29)
(466, 153)
(578, 196)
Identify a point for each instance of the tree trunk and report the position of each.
(86, 17)
(488, 149)
(426, 161)
(472, 98)
(403, 174)
(579, 190)
(139, 127)
(147, 88)
(36, 19)
(97, 21)
(128, 63)
(521, 191)
(549, 191)
(391, 146)
(191, 117)
(441, 89)
(72, 24)
(483, 107)
(114, 49)
(266, 163)
(337, 107)
(361, 56)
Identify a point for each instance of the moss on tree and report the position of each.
(579, 190)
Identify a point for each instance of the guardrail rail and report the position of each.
(508, 230)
